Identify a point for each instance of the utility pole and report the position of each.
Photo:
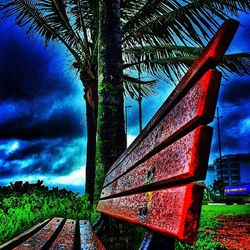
(126, 119)
(221, 184)
(140, 103)
(219, 140)
(140, 98)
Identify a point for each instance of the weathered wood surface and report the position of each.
(195, 107)
(88, 239)
(185, 159)
(65, 239)
(172, 211)
(210, 57)
(41, 238)
(22, 237)
(55, 234)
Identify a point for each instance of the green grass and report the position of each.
(24, 205)
(227, 210)
(209, 224)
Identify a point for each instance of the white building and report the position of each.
(235, 169)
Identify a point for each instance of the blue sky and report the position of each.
(42, 112)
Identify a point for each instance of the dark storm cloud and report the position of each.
(43, 157)
(236, 91)
(24, 71)
(37, 98)
(26, 152)
(63, 122)
(234, 120)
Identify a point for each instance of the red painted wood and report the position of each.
(88, 238)
(65, 240)
(185, 159)
(209, 58)
(173, 211)
(38, 240)
(196, 106)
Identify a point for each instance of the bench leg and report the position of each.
(154, 241)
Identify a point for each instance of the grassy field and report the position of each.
(209, 223)
(24, 205)
(228, 210)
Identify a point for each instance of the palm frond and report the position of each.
(145, 53)
(29, 17)
(130, 8)
(173, 23)
(238, 63)
(133, 86)
(56, 14)
(174, 61)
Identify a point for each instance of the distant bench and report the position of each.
(152, 183)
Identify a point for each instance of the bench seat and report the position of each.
(57, 233)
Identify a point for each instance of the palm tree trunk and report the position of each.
(91, 150)
(91, 98)
(111, 141)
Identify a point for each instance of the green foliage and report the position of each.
(219, 186)
(24, 205)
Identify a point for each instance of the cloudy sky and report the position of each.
(42, 113)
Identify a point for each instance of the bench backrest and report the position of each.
(151, 183)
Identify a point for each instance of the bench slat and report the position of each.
(209, 58)
(88, 238)
(172, 211)
(196, 106)
(22, 237)
(40, 239)
(185, 159)
(65, 240)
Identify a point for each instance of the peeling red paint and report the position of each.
(171, 211)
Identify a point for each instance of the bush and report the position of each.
(24, 205)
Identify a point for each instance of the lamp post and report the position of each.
(218, 117)
(139, 96)
(219, 138)
(126, 119)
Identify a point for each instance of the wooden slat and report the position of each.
(65, 240)
(40, 239)
(22, 237)
(173, 211)
(209, 58)
(196, 106)
(185, 159)
(89, 240)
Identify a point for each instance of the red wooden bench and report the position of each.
(152, 183)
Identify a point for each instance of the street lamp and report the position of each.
(139, 96)
(126, 118)
(217, 117)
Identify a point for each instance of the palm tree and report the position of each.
(74, 23)
(144, 25)
(67, 22)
